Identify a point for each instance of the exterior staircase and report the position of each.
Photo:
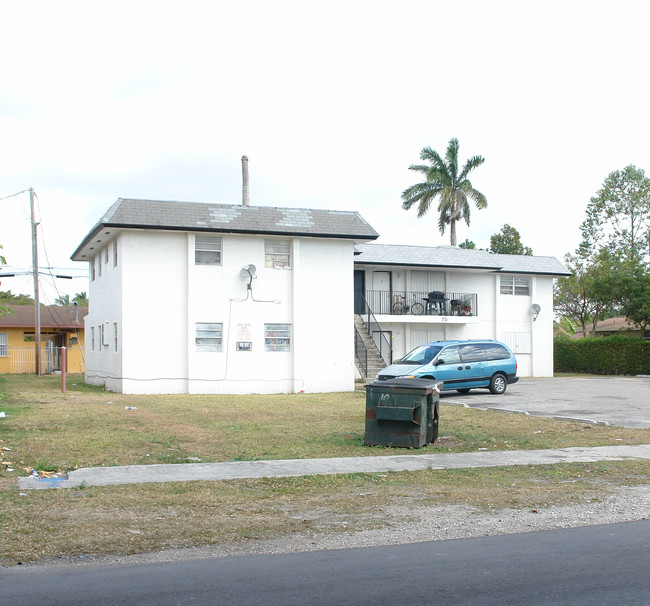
(375, 362)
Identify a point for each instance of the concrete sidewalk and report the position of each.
(237, 470)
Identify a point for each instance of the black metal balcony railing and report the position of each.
(418, 303)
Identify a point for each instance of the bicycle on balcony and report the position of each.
(402, 306)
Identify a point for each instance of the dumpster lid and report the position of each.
(409, 384)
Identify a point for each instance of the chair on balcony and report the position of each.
(436, 303)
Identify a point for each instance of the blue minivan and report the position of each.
(462, 365)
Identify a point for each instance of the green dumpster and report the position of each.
(402, 412)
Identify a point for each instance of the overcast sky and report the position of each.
(331, 101)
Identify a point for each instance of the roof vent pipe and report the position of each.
(244, 170)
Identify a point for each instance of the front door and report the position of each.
(359, 290)
(381, 292)
(451, 372)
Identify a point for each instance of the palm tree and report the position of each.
(444, 180)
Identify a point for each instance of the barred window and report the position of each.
(207, 250)
(277, 254)
(4, 344)
(277, 337)
(514, 285)
(208, 336)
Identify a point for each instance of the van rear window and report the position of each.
(497, 352)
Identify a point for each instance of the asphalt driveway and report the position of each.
(621, 401)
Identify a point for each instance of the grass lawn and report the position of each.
(47, 430)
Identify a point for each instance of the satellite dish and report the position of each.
(248, 271)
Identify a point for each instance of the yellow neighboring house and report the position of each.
(61, 326)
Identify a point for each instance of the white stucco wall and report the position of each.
(157, 294)
(103, 361)
(502, 317)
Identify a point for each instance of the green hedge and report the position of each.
(613, 355)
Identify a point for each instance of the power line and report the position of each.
(16, 194)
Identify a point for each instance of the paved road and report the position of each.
(593, 565)
(621, 401)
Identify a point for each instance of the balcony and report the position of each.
(423, 307)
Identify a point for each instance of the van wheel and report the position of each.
(465, 390)
(498, 384)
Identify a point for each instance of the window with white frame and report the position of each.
(207, 250)
(514, 285)
(208, 336)
(115, 336)
(277, 337)
(92, 338)
(4, 344)
(99, 265)
(106, 255)
(115, 253)
(91, 264)
(277, 254)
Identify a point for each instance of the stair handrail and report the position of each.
(361, 353)
(385, 348)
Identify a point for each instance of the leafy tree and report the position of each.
(618, 216)
(467, 244)
(443, 180)
(616, 237)
(81, 298)
(585, 295)
(508, 242)
(8, 298)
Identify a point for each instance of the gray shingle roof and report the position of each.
(231, 218)
(453, 257)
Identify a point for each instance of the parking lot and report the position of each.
(621, 401)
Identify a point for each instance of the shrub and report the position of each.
(615, 355)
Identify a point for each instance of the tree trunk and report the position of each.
(452, 232)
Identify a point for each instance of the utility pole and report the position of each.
(37, 304)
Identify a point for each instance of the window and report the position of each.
(99, 265)
(4, 344)
(472, 353)
(277, 254)
(450, 355)
(513, 285)
(497, 352)
(208, 336)
(115, 335)
(92, 338)
(91, 263)
(207, 250)
(106, 255)
(115, 253)
(277, 337)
